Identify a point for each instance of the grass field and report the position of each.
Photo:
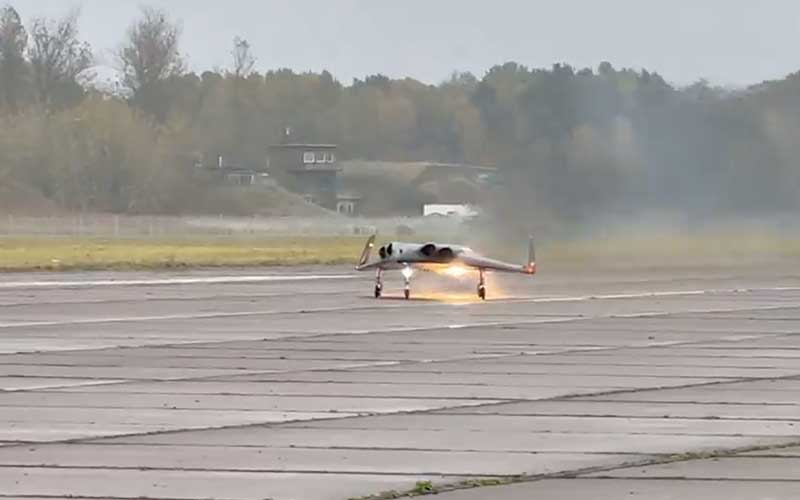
(54, 254)
(676, 248)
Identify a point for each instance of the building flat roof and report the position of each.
(462, 166)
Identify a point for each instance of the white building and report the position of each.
(449, 210)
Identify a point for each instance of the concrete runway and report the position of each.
(295, 384)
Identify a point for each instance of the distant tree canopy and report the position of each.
(150, 59)
(13, 68)
(571, 143)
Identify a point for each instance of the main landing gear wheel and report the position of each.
(378, 283)
(407, 293)
(482, 292)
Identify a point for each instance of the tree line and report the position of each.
(569, 143)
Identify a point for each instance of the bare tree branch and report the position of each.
(243, 59)
(57, 56)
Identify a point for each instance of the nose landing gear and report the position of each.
(482, 287)
(407, 273)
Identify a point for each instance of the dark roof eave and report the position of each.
(463, 166)
(301, 146)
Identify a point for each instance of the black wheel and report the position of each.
(378, 292)
(482, 292)
(407, 293)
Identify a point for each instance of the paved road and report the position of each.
(294, 384)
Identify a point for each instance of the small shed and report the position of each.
(347, 203)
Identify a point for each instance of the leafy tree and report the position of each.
(150, 58)
(13, 67)
(571, 144)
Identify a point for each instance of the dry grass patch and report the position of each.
(85, 254)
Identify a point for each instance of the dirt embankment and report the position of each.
(268, 201)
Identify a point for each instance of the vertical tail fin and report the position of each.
(530, 267)
(367, 251)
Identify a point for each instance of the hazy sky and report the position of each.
(729, 42)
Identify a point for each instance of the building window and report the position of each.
(322, 157)
(346, 207)
(241, 179)
(308, 157)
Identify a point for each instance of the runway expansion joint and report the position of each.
(424, 488)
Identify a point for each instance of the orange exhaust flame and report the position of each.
(458, 296)
(456, 271)
(451, 298)
(453, 271)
